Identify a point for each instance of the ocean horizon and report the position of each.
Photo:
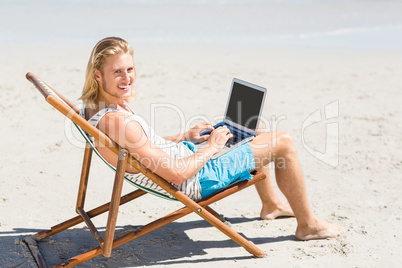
(328, 24)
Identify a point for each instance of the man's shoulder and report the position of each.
(118, 119)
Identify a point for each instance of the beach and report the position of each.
(333, 75)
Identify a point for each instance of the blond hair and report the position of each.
(103, 50)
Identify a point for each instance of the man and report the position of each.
(109, 81)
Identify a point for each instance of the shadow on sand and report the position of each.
(168, 245)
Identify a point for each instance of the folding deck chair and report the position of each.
(108, 242)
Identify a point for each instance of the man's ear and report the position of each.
(98, 76)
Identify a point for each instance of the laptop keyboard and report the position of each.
(230, 142)
(235, 139)
(237, 134)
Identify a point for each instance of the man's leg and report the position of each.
(280, 149)
(272, 206)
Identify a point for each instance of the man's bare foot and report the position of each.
(320, 230)
(271, 213)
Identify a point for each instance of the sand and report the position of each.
(333, 74)
(355, 185)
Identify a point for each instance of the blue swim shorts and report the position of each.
(230, 167)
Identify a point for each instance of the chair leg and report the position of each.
(247, 245)
(82, 190)
(115, 202)
(250, 247)
(197, 208)
(213, 212)
(92, 213)
(95, 233)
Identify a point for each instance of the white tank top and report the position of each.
(190, 187)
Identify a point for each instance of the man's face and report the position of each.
(117, 77)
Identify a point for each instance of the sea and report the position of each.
(361, 25)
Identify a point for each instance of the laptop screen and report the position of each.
(245, 104)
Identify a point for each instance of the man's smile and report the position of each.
(125, 87)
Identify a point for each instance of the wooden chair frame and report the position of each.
(107, 243)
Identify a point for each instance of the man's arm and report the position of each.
(176, 138)
(192, 134)
(129, 134)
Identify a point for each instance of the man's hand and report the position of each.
(193, 134)
(219, 137)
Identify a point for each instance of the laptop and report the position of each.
(242, 114)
